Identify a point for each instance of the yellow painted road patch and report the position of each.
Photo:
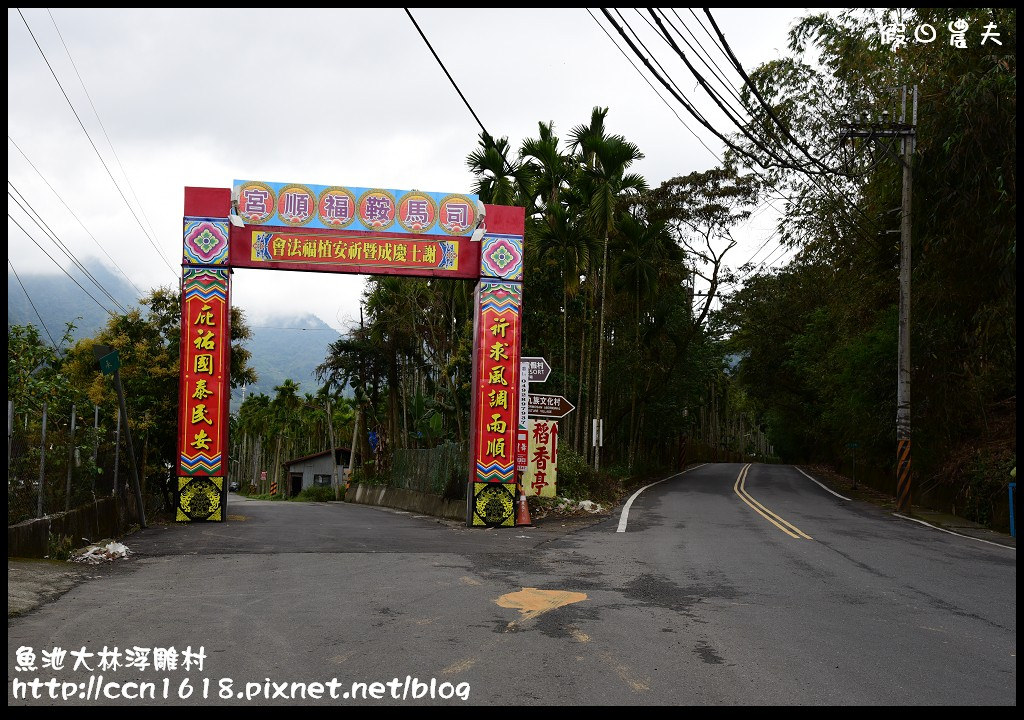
(532, 602)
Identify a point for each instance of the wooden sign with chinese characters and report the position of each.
(388, 253)
(549, 406)
(497, 410)
(205, 341)
(542, 469)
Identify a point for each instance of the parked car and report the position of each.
(233, 487)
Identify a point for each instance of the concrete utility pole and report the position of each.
(907, 133)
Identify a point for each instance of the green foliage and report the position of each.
(59, 547)
(608, 290)
(316, 493)
(366, 474)
(148, 344)
(574, 474)
(818, 338)
(983, 485)
(35, 370)
(38, 375)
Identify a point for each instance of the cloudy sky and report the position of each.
(152, 100)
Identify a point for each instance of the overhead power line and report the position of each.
(72, 212)
(825, 174)
(678, 96)
(708, 63)
(660, 97)
(730, 114)
(36, 311)
(827, 196)
(102, 127)
(61, 267)
(757, 94)
(450, 78)
(767, 203)
(815, 176)
(27, 208)
(95, 149)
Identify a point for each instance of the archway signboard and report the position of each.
(336, 229)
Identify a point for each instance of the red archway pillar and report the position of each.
(205, 387)
(205, 373)
(497, 344)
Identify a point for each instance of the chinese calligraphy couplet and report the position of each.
(542, 467)
(205, 347)
(497, 410)
(384, 253)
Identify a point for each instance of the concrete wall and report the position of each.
(411, 500)
(85, 524)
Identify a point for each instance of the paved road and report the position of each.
(787, 595)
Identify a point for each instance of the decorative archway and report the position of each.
(335, 229)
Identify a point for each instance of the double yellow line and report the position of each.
(740, 489)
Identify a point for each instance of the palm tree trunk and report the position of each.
(582, 418)
(256, 457)
(588, 444)
(565, 336)
(334, 462)
(277, 462)
(632, 404)
(600, 349)
(405, 410)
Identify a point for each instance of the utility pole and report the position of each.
(907, 134)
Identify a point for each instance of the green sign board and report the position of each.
(110, 363)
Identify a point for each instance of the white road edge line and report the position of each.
(933, 527)
(841, 497)
(624, 518)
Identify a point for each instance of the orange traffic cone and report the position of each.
(522, 509)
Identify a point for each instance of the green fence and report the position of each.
(439, 471)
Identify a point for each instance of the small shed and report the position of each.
(317, 470)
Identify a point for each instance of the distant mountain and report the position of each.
(282, 347)
(286, 347)
(59, 301)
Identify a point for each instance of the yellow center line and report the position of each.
(741, 491)
(791, 526)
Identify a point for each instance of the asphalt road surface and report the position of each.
(727, 585)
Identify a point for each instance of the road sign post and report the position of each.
(536, 368)
(549, 406)
(110, 363)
